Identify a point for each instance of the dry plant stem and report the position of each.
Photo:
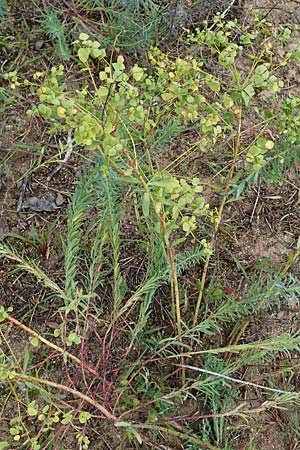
(217, 224)
(135, 167)
(50, 344)
(243, 382)
(237, 336)
(177, 304)
(62, 387)
(175, 288)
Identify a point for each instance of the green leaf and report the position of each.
(175, 212)
(123, 424)
(72, 338)
(26, 360)
(14, 431)
(136, 434)
(83, 54)
(296, 56)
(146, 204)
(67, 419)
(61, 112)
(4, 445)
(84, 416)
(160, 183)
(103, 75)
(188, 224)
(83, 36)
(254, 150)
(167, 96)
(269, 144)
(77, 339)
(212, 83)
(102, 91)
(246, 98)
(178, 241)
(3, 314)
(32, 409)
(97, 53)
(34, 341)
(119, 65)
(95, 44)
(262, 70)
(137, 73)
(247, 93)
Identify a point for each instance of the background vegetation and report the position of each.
(149, 231)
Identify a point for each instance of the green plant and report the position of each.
(7, 98)
(3, 9)
(56, 29)
(134, 388)
(132, 24)
(119, 360)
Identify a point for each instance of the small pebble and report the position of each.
(59, 199)
(39, 44)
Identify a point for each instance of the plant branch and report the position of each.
(60, 350)
(62, 387)
(218, 221)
